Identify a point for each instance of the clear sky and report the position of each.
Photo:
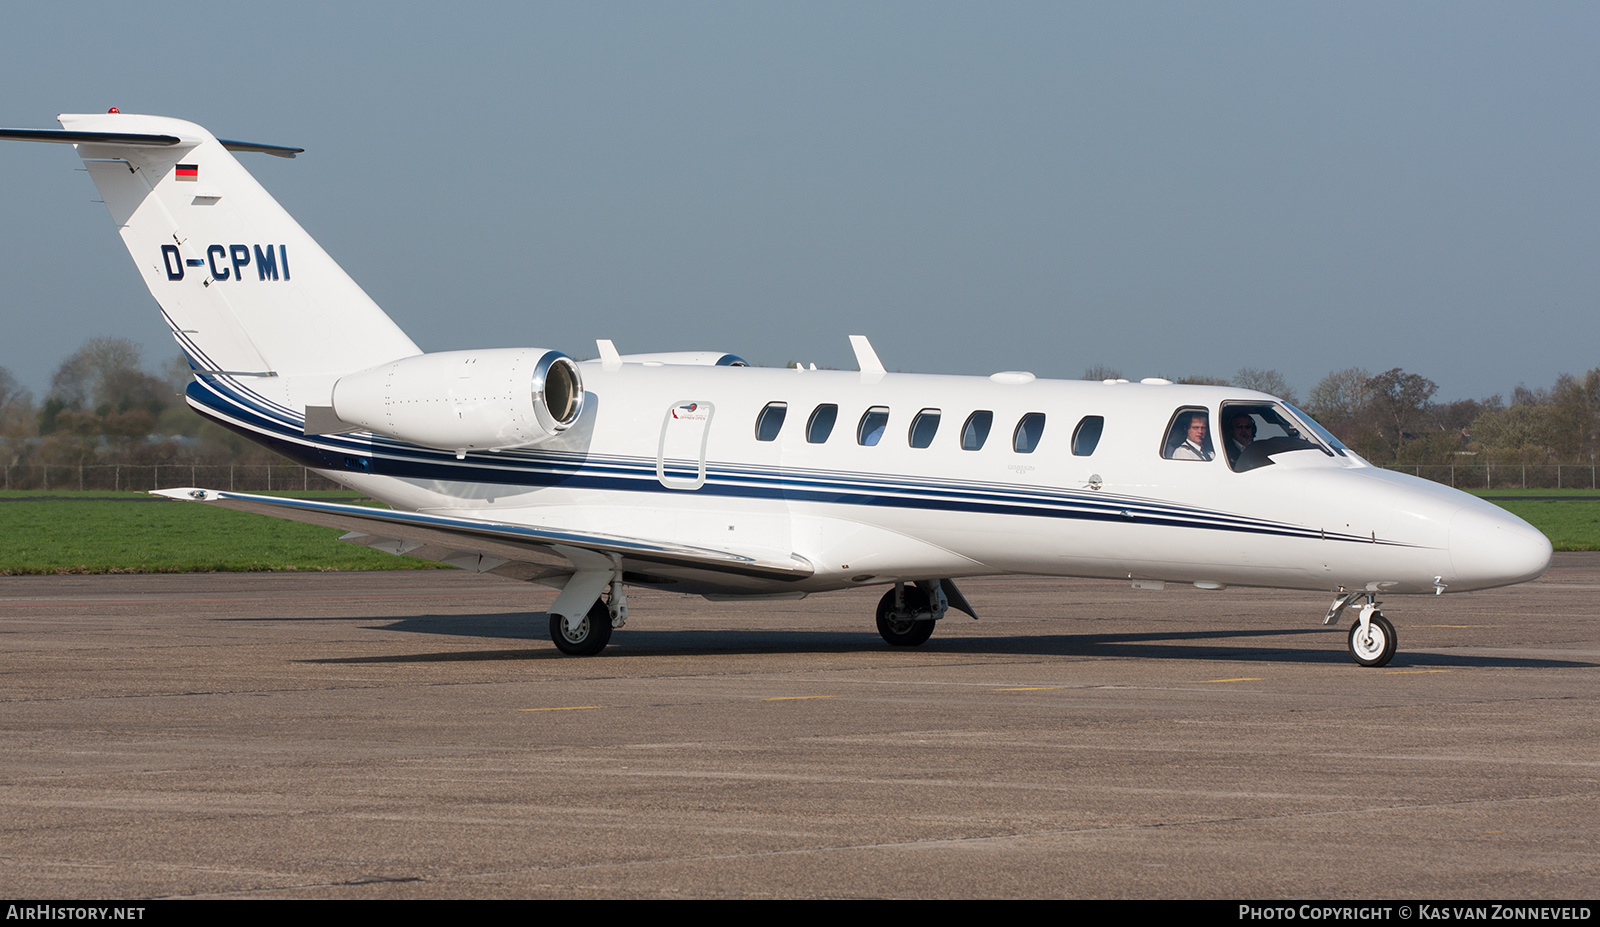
(1168, 189)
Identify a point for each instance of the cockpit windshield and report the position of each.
(1317, 429)
(1253, 433)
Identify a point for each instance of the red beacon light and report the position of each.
(113, 110)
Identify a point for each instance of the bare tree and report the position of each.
(1575, 415)
(177, 374)
(1399, 403)
(1339, 397)
(102, 390)
(1265, 381)
(1102, 372)
(16, 407)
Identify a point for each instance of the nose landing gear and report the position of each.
(1372, 638)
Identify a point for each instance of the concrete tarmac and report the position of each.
(416, 735)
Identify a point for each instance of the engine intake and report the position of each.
(466, 400)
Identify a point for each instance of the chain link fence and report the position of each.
(1506, 476)
(144, 477)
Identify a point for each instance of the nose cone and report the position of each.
(1492, 547)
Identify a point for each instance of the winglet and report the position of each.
(866, 358)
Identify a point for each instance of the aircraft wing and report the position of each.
(517, 551)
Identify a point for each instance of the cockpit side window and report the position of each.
(1254, 432)
(1188, 435)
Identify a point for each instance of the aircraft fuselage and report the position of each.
(886, 511)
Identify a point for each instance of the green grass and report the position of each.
(132, 532)
(1570, 518)
(1562, 494)
(1570, 525)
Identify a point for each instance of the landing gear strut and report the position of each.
(1372, 638)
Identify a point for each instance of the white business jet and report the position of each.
(693, 472)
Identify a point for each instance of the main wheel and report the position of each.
(589, 638)
(904, 632)
(1376, 648)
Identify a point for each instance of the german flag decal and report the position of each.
(188, 172)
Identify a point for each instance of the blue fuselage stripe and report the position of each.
(247, 415)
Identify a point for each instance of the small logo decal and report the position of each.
(188, 172)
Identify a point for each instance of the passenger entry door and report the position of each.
(681, 455)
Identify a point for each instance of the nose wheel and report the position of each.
(1372, 638)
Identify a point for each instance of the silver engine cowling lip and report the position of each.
(555, 360)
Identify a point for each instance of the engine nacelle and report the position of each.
(466, 400)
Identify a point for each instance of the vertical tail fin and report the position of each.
(243, 287)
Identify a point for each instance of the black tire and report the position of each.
(591, 636)
(1378, 648)
(904, 632)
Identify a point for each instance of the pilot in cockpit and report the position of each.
(1195, 445)
(1241, 431)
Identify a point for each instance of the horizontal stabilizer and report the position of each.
(134, 139)
(64, 137)
(277, 151)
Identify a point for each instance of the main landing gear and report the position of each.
(589, 634)
(1372, 638)
(589, 637)
(904, 618)
(906, 614)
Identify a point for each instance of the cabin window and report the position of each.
(770, 421)
(1086, 437)
(923, 427)
(1028, 433)
(869, 431)
(1188, 435)
(976, 430)
(821, 422)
